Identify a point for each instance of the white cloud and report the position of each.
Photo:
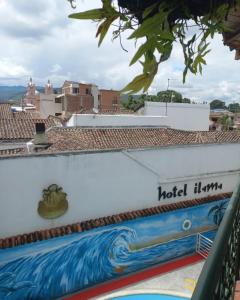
(56, 68)
(9, 69)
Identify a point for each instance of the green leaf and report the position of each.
(202, 61)
(166, 35)
(141, 50)
(136, 84)
(103, 28)
(92, 14)
(149, 26)
(148, 82)
(149, 9)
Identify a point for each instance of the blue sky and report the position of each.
(38, 40)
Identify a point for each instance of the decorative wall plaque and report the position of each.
(54, 203)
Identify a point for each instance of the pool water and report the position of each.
(149, 297)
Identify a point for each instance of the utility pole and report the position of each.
(165, 98)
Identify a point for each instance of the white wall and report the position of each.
(104, 183)
(181, 115)
(116, 120)
(48, 105)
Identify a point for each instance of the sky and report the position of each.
(38, 40)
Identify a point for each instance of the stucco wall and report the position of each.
(181, 115)
(106, 183)
(116, 120)
(48, 105)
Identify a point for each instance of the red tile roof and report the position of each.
(19, 125)
(20, 129)
(5, 111)
(71, 139)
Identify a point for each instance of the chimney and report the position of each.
(40, 140)
(40, 137)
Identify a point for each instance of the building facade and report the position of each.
(182, 116)
(81, 96)
(31, 94)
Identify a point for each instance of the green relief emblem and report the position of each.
(54, 203)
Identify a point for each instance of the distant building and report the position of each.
(49, 103)
(216, 115)
(76, 98)
(32, 94)
(81, 96)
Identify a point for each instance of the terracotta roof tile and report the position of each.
(20, 129)
(77, 139)
(5, 111)
(19, 125)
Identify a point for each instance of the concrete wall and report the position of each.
(48, 105)
(181, 115)
(116, 120)
(105, 183)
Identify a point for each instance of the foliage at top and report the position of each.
(157, 25)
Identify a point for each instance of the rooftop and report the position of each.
(20, 129)
(77, 139)
(19, 125)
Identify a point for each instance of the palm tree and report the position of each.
(217, 212)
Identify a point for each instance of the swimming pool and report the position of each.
(149, 297)
(146, 295)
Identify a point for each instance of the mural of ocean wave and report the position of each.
(91, 259)
(53, 268)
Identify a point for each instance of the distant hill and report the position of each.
(10, 92)
(16, 92)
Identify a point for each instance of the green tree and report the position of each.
(226, 122)
(217, 104)
(169, 96)
(134, 102)
(234, 107)
(186, 100)
(158, 25)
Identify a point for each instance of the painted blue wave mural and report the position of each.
(51, 269)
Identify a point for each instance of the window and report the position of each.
(115, 100)
(75, 90)
(88, 91)
(58, 100)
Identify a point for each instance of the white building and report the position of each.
(193, 117)
(180, 115)
(125, 120)
(110, 171)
